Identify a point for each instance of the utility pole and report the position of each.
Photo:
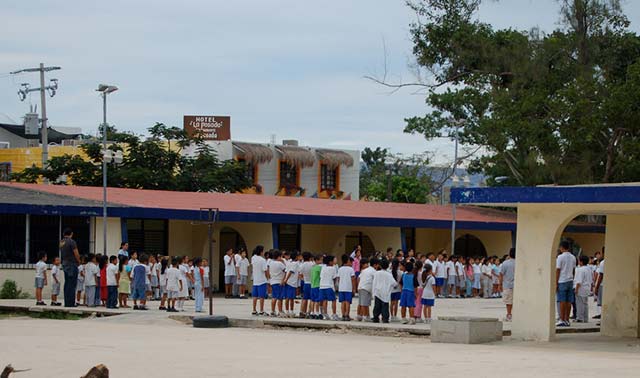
(43, 103)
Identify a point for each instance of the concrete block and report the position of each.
(465, 330)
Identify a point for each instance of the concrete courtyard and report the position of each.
(152, 344)
(63, 348)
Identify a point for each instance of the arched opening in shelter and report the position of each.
(229, 238)
(469, 246)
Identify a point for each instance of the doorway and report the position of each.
(229, 238)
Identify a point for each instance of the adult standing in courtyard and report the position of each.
(124, 250)
(565, 266)
(70, 262)
(507, 276)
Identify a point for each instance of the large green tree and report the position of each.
(410, 182)
(559, 107)
(148, 163)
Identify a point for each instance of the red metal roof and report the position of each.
(265, 204)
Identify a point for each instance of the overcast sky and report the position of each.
(290, 68)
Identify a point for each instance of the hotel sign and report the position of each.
(208, 127)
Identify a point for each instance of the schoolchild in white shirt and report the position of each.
(91, 271)
(243, 269)
(41, 277)
(55, 286)
(365, 287)
(346, 286)
(305, 274)
(174, 285)
(428, 295)
(397, 270)
(80, 282)
(112, 282)
(290, 281)
(276, 274)
(328, 275)
(582, 285)
(383, 285)
(461, 277)
(164, 265)
(452, 277)
(260, 275)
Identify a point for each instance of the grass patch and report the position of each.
(56, 315)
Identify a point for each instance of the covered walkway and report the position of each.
(543, 214)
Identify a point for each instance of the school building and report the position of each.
(32, 218)
(543, 215)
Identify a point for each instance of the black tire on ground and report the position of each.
(214, 321)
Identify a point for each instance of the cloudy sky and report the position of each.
(290, 68)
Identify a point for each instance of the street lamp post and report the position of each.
(453, 184)
(105, 90)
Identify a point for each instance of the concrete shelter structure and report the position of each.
(543, 214)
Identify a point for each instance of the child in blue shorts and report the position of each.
(408, 296)
(276, 274)
(138, 284)
(291, 281)
(315, 288)
(428, 296)
(346, 285)
(327, 276)
(305, 282)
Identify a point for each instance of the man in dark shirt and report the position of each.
(70, 262)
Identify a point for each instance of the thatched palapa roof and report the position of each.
(335, 158)
(298, 156)
(254, 152)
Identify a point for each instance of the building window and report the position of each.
(46, 233)
(147, 236)
(251, 172)
(288, 175)
(12, 240)
(328, 177)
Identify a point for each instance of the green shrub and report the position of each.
(10, 290)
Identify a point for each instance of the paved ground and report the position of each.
(165, 348)
(241, 309)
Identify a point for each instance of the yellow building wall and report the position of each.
(431, 240)
(620, 314)
(114, 235)
(25, 278)
(331, 239)
(589, 242)
(21, 158)
(191, 240)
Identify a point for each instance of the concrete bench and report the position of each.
(465, 330)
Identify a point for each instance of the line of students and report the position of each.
(317, 277)
(112, 281)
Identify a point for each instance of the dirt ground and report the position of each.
(165, 348)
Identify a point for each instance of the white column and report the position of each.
(539, 229)
(620, 316)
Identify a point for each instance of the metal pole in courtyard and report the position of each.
(453, 205)
(104, 173)
(210, 239)
(104, 89)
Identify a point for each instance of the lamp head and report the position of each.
(106, 89)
